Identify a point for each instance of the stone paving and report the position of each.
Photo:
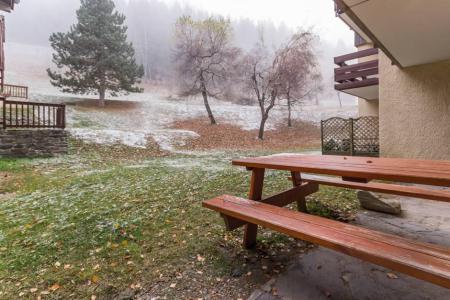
(325, 274)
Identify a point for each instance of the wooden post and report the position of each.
(256, 188)
(321, 136)
(4, 113)
(351, 136)
(301, 201)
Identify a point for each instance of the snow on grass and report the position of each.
(169, 139)
(155, 109)
(110, 136)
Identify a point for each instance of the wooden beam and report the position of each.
(359, 66)
(387, 188)
(354, 55)
(280, 200)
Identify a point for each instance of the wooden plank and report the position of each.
(424, 261)
(363, 53)
(355, 67)
(387, 188)
(401, 170)
(355, 179)
(280, 200)
(356, 74)
(356, 84)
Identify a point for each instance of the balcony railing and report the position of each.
(17, 114)
(16, 91)
(357, 75)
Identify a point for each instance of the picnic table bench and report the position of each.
(421, 260)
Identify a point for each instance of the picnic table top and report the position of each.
(429, 172)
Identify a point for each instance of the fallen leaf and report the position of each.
(95, 279)
(200, 258)
(173, 285)
(392, 276)
(33, 290)
(54, 287)
(57, 264)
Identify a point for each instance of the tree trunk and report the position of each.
(262, 125)
(289, 111)
(205, 101)
(101, 100)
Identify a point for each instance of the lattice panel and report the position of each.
(336, 136)
(366, 136)
(351, 136)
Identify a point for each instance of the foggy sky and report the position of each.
(318, 14)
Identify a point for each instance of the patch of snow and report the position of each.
(169, 139)
(166, 139)
(189, 163)
(111, 136)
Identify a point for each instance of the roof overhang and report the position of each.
(370, 92)
(8, 5)
(412, 32)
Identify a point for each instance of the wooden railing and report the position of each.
(17, 114)
(16, 91)
(356, 75)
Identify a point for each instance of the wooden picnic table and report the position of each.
(425, 261)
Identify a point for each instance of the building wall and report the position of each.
(367, 107)
(32, 143)
(414, 110)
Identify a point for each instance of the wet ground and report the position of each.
(326, 274)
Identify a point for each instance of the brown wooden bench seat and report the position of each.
(379, 187)
(424, 261)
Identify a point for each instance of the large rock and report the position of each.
(378, 203)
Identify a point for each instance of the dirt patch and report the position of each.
(4, 177)
(231, 137)
(110, 105)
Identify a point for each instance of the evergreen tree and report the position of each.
(94, 57)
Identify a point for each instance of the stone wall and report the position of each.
(32, 143)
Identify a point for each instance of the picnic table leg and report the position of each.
(301, 201)
(256, 188)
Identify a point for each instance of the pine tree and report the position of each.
(94, 57)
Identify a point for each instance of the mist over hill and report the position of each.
(150, 28)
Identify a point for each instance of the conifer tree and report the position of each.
(94, 57)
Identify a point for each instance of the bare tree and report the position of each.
(204, 57)
(299, 71)
(262, 79)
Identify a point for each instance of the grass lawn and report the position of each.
(97, 224)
